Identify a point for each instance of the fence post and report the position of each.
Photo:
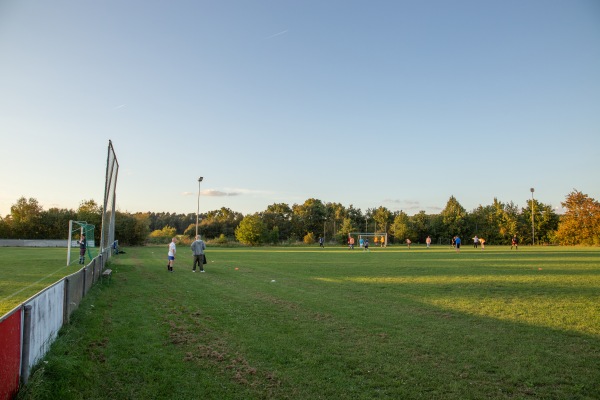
(84, 279)
(26, 344)
(67, 301)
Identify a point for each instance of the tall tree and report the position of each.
(453, 217)
(401, 228)
(25, 219)
(55, 223)
(581, 222)
(278, 220)
(421, 226)
(309, 217)
(251, 230)
(383, 217)
(545, 223)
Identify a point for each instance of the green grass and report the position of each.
(306, 323)
(24, 271)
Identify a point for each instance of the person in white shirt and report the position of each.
(171, 254)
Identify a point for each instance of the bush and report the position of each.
(309, 238)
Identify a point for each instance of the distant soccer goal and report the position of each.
(374, 238)
(81, 242)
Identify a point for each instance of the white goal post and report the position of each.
(80, 228)
(375, 238)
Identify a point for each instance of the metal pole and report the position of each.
(532, 220)
(198, 210)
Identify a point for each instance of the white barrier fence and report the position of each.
(27, 332)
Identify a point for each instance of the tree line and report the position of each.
(281, 223)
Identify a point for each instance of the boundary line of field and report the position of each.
(33, 284)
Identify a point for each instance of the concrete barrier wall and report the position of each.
(27, 332)
(47, 311)
(88, 278)
(10, 353)
(73, 293)
(33, 243)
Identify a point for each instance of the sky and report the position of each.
(400, 104)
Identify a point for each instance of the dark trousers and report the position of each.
(198, 258)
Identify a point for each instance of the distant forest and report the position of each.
(283, 224)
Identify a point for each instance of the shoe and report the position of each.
(193, 270)
(202, 271)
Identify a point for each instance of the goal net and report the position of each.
(375, 239)
(107, 239)
(81, 245)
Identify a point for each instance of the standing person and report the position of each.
(382, 241)
(482, 241)
(171, 254)
(321, 240)
(457, 243)
(514, 242)
(198, 248)
(351, 242)
(475, 241)
(366, 244)
(428, 241)
(454, 241)
(82, 242)
(408, 242)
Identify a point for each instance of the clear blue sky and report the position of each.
(399, 104)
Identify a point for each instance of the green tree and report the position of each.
(356, 216)
(581, 222)
(402, 228)
(90, 212)
(4, 229)
(345, 230)
(308, 217)
(251, 230)
(336, 213)
(484, 223)
(132, 229)
(217, 222)
(55, 223)
(383, 218)
(278, 216)
(25, 219)
(454, 218)
(545, 222)
(421, 226)
(163, 235)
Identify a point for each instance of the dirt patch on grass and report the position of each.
(96, 350)
(205, 347)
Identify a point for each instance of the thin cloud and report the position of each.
(213, 193)
(277, 34)
(119, 107)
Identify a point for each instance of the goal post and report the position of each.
(76, 231)
(375, 238)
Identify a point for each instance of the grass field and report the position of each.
(309, 323)
(24, 271)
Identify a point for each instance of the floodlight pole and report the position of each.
(198, 210)
(532, 220)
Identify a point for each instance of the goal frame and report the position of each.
(84, 228)
(362, 235)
